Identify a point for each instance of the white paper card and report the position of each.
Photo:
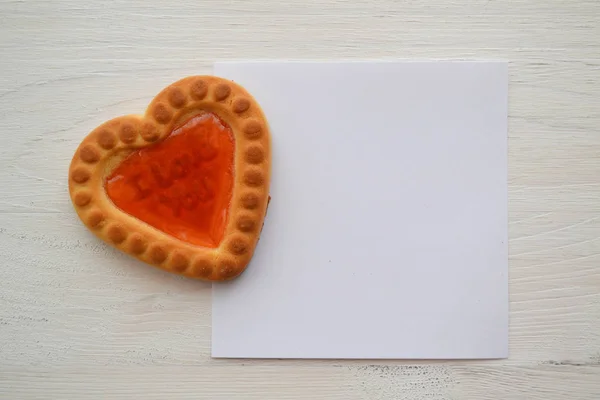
(386, 236)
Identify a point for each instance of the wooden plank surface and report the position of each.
(80, 320)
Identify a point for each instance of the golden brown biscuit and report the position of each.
(184, 187)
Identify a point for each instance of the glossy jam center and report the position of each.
(181, 185)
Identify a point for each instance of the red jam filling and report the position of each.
(181, 185)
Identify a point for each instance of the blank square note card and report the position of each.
(386, 235)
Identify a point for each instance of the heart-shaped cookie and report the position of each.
(184, 187)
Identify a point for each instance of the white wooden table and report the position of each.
(80, 320)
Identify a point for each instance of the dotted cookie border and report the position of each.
(103, 149)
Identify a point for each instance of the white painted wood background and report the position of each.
(79, 320)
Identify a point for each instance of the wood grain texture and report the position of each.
(80, 320)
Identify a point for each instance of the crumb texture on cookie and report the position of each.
(183, 187)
